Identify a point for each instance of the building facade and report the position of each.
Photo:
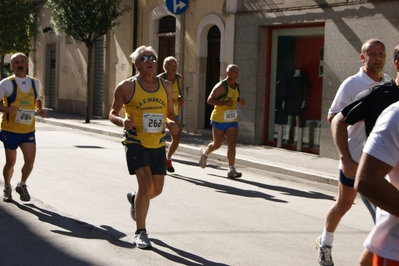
(292, 57)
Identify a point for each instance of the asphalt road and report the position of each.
(79, 214)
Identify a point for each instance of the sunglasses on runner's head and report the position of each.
(145, 58)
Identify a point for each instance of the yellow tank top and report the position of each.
(148, 110)
(22, 121)
(176, 91)
(224, 113)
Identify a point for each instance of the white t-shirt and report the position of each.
(6, 87)
(383, 144)
(346, 93)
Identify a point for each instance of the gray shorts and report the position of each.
(138, 156)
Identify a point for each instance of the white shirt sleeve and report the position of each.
(6, 88)
(343, 96)
(37, 89)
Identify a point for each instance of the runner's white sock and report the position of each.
(327, 238)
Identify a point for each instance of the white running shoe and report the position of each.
(141, 240)
(202, 161)
(324, 253)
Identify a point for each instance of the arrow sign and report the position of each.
(177, 7)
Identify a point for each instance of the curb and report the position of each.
(74, 126)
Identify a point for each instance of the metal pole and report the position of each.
(279, 136)
(299, 139)
(135, 29)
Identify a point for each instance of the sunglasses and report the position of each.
(145, 58)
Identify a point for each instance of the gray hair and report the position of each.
(18, 54)
(167, 59)
(135, 56)
(230, 67)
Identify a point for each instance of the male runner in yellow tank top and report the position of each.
(170, 74)
(148, 104)
(224, 118)
(21, 99)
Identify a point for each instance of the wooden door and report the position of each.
(166, 48)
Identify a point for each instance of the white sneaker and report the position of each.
(324, 253)
(141, 240)
(202, 161)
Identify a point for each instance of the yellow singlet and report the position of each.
(176, 91)
(22, 121)
(148, 110)
(224, 113)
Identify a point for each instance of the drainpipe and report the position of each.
(135, 29)
(35, 40)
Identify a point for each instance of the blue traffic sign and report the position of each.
(177, 7)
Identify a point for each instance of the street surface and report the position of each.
(79, 214)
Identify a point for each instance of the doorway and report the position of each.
(166, 48)
(212, 69)
(50, 91)
(167, 42)
(98, 91)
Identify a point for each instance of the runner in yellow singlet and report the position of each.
(148, 103)
(170, 74)
(21, 99)
(224, 118)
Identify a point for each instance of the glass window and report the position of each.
(296, 89)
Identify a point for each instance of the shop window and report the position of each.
(296, 92)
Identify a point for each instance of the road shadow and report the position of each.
(20, 244)
(191, 163)
(76, 228)
(228, 189)
(285, 190)
(182, 257)
(289, 191)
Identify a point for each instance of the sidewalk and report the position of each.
(292, 163)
